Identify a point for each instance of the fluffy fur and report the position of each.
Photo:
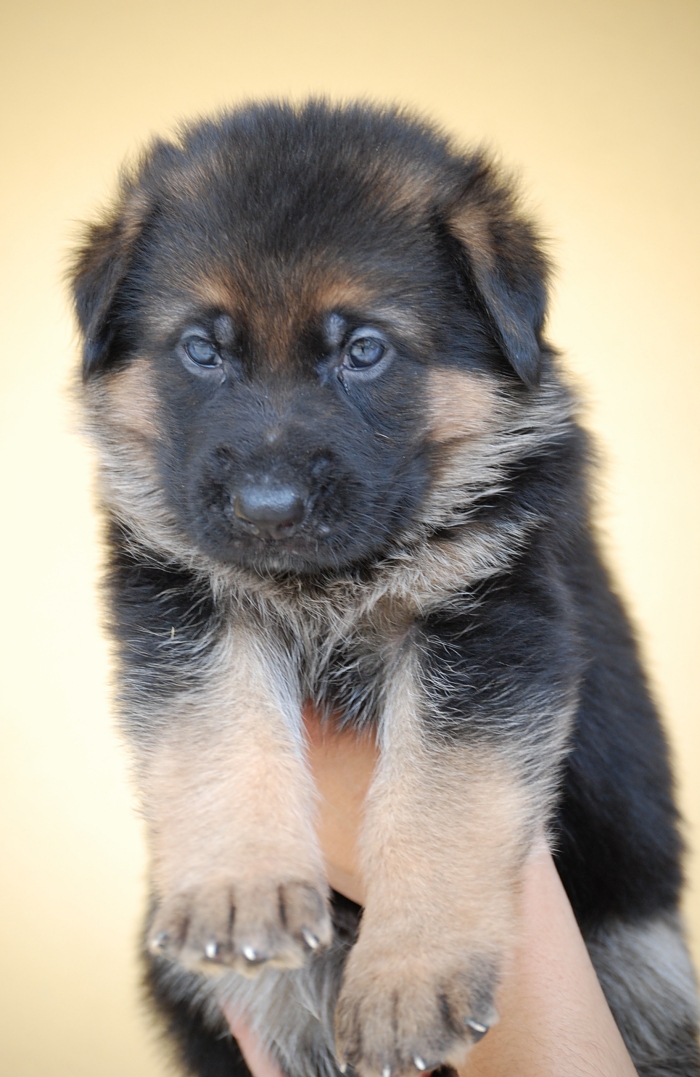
(339, 464)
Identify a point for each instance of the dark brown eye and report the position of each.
(202, 352)
(363, 352)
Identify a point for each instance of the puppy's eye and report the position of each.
(363, 352)
(202, 352)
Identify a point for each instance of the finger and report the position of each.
(256, 1057)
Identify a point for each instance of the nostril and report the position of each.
(275, 509)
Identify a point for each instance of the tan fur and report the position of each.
(176, 315)
(229, 805)
(217, 291)
(460, 405)
(402, 320)
(410, 189)
(132, 400)
(123, 429)
(513, 430)
(472, 225)
(134, 210)
(336, 291)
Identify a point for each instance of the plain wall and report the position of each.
(595, 102)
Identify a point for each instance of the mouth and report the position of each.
(307, 548)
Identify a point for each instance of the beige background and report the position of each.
(596, 102)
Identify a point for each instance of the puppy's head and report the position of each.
(289, 314)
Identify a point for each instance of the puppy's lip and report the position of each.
(314, 549)
(294, 539)
(283, 534)
(247, 525)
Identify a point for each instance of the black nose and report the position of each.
(275, 510)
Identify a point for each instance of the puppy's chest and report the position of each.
(342, 645)
(344, 670)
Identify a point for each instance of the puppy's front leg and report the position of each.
(236, 868)
(448, 826)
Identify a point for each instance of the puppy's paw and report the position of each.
(400, 1014)
(243, 926)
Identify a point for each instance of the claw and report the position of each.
(250, 954)
(343, 1067)
(477, 1028)
(311, 940)
(158, 943)
(386, 1072)
(211, 950)
(419, 1063)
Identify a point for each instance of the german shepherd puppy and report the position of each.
(339, 464)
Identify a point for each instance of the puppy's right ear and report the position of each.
(99, 270)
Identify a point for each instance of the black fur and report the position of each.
(273, 205)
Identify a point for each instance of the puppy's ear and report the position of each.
(504, 261)
(99, 270)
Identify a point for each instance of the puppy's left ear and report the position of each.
(504, 262)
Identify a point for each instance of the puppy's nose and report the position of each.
(275, 510)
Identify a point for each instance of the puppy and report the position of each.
(339, 464)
